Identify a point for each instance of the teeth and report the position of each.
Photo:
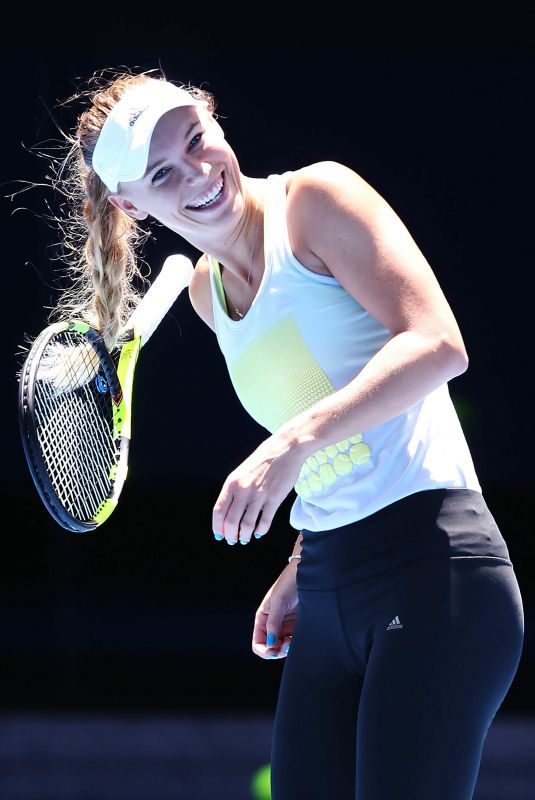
(209, 196)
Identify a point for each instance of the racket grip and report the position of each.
(174, 276)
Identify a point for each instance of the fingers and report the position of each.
(239, 518)
(219, 514)
(254, 491)
(271, 638)
(265, 519)
(278, 650)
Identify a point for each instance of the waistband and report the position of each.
(435, 523)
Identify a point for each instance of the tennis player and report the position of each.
(399, 612)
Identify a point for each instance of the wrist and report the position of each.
(297, 438)
(296, 552)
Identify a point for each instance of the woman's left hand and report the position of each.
(253, 492)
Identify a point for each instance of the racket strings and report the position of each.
(81, 475)
(80, 469)
(67, 362)
(74, 414)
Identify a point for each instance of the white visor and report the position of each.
(122, 148)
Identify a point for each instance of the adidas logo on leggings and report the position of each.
(395, 624)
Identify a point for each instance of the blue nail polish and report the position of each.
(232, 541)
(258, 536)
(271, 639)
(286, 648)
(243, 541)
(218, 536)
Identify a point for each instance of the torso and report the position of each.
(235, 290)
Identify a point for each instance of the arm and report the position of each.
(296, 552)
(200, 294)
(339, 225)
(372, 254)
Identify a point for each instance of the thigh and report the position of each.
(433, 686)
(313, 750)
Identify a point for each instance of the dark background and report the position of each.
(149, 612)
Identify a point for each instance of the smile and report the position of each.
(209, 197)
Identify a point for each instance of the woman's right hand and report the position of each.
(275, 618)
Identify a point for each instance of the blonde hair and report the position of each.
(100, 242)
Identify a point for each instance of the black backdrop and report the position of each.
(149, 611)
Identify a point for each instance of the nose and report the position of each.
(196, 171)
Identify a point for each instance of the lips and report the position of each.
(209, 197)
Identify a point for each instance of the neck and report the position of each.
(242, 272)
(233, 249)
(239, 256)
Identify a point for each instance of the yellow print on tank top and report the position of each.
(276, 377)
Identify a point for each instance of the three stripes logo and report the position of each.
(394, 625)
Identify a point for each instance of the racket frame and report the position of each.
(120, 384)
(175, 275)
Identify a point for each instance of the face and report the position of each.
(192, 184)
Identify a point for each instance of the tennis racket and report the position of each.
(75, 406)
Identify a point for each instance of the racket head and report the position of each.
(75, 406)
(69, 402)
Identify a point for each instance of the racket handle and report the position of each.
(174, 276)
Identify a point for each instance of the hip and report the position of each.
(433, 524)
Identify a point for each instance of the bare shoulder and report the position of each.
(350, 229)
(325, 181)
(318, 197)
(200, 293)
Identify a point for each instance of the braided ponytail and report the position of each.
(100, 241)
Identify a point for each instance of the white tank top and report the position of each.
(303, 338)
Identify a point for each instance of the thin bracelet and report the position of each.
(290, 559)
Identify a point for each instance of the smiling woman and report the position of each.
(399, 611)
(89, 176)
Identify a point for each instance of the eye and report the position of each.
(159, 174)
(195, 141)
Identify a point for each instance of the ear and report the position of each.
(126, 206)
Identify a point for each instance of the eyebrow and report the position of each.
(157, 163)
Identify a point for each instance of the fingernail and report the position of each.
(271, 639)
(232, 541)
(258, 536)
(218, 536)
(243, 541)
(286, 648)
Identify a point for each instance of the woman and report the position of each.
(399, 600)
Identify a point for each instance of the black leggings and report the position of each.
(409, 633)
